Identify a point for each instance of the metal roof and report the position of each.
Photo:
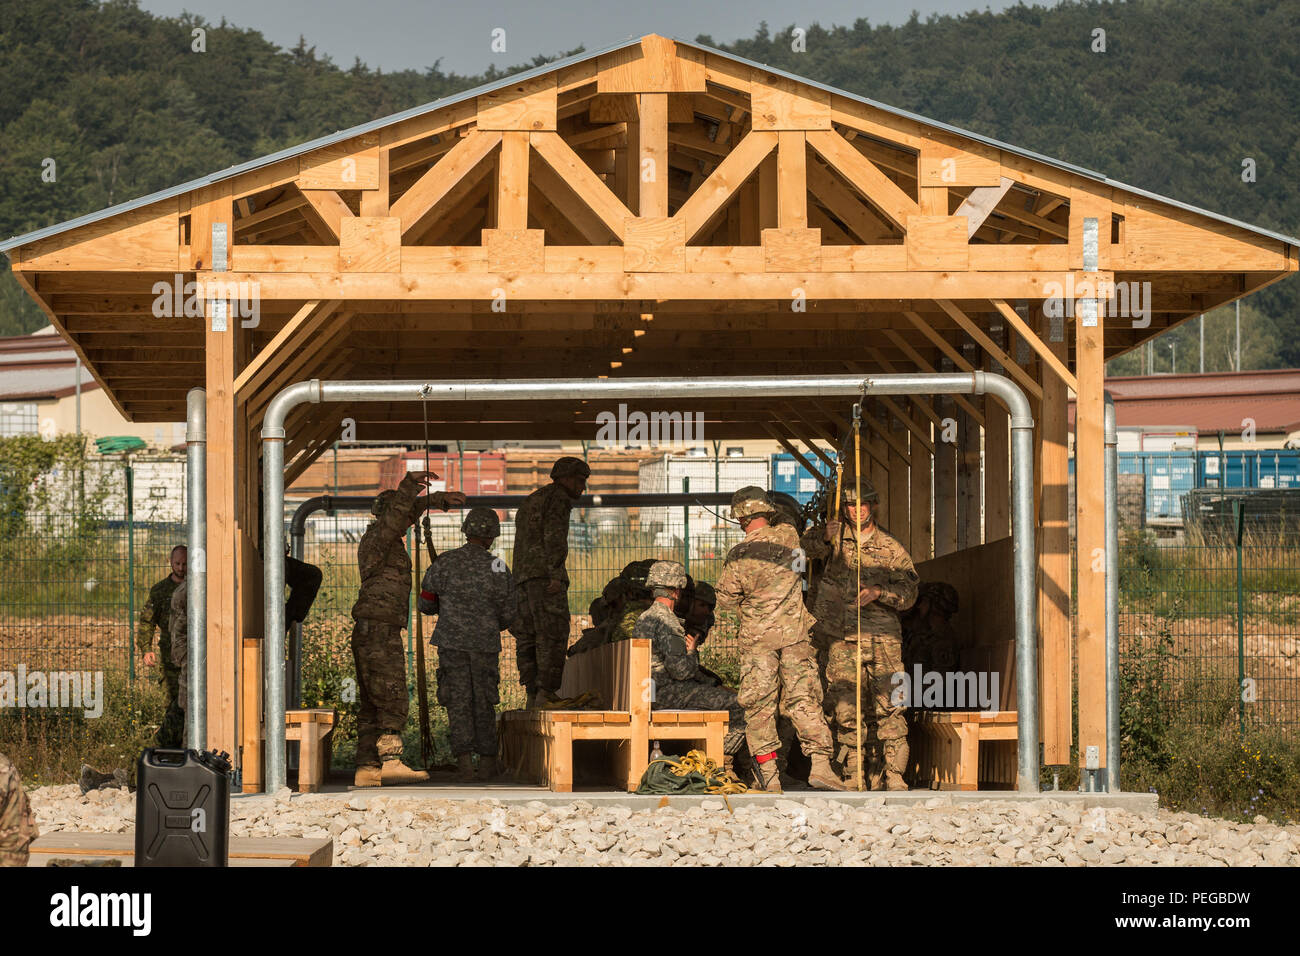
(373, 125)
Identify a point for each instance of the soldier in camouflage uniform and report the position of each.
(17, 825)
(178, 622)
(157, 614)
(473, 594)
(676, 678)
(928, 637)
(541, 630)
(778, 667)
(380, 614)
(889, 584)
(604, 613)
(636, 600)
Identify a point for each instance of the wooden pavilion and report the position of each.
(653, 209)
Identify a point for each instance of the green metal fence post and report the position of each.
(686, 527)
(130, 570)
(1239, 512)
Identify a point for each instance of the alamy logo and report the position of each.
(948, 690)
(181, 299)
(65, 690)
(639, 430)
(74, 909)
(1130, 300)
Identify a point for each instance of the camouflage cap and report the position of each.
(941, 595)
(568, 467)
(382, 501)
(481, 523)
(751, 500)
(666, 574)
(704, 592)
(848, 493)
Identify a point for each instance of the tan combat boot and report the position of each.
(769, 776)
(823, 776)
(367, 777)
(896, 754)
(397, 774)
(465, 767)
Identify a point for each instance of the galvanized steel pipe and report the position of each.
(1112, 596)
(196, 570)
(773, 386)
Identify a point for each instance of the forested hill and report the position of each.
(1184, 92)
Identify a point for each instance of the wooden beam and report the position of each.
(330, 209)
(978, 204)
(296, 333)
(579, 177)
(722, 184)
(925, 366)
(785, 443)
(1025, 380)
(792, 180)
(864, 176)
(427, 191)
(652, 168)
(1050, 358)
(512, 182)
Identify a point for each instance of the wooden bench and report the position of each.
(244, 851)
(538, 745)
(313, 728)
(963, 749)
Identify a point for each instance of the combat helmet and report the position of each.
(751, 500)
(941, 595)
(481, 523)
(635, 575)
(848, 492)
(568, 467)
(704, 592)
(666, 574)
(787, 509)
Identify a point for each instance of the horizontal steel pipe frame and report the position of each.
(960, 383)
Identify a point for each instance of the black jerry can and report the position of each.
(182, 808)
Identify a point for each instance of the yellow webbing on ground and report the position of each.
(717, 779)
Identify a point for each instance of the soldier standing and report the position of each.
(473, 595)
(541, 631)
(889, 585)
(157, 614)
(380, 614)
(677, 681)
(778, 666)
(17, 825)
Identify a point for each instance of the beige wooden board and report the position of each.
(371, 245)
(353, 164)
(297, 851)
(527, 105)
(654, 244)
(783, 104)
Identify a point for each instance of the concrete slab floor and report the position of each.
(519, 794)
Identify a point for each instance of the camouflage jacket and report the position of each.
(17, 824)
(886, 565)
(179, 624)
(476, 599)
(384, 562)
(625, 626)
(156, 613)
(669, 661)
(542, 535)
(759, 583)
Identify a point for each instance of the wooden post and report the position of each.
(654, 154)
(970, 484)
(945, 478)
(792, 180)
(767, 205)
(997, 458)
(512, 182)
(898, 497)
(1055, 679)
(919, 468)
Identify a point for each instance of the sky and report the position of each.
(409, 34)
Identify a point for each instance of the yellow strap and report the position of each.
(857, 536)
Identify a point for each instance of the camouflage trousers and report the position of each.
(171, 732)
(882, 710)
(692, 695)
(784, 677)
(541, 635)
(381, 691)
(468, 687)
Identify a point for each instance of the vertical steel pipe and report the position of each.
(1112, 596)
(196, 572)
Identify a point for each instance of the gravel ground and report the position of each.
(402, 831)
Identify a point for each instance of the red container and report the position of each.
(477, 473)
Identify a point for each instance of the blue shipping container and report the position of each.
(792, 478)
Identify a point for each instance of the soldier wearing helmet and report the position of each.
(889, 586)
(473, 594)
(380, 614)
(760, 582)
(637, 599)
(677, 681)
(541, 549)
